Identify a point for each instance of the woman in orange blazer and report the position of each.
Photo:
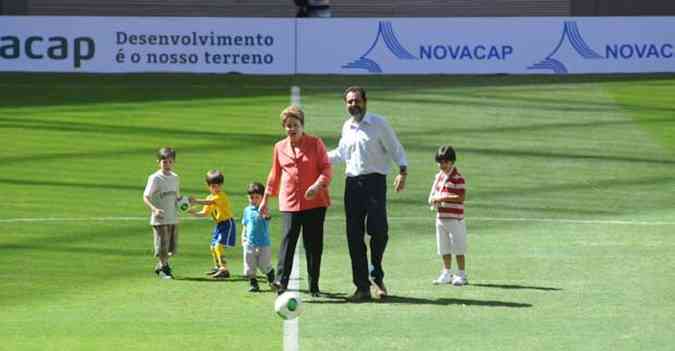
(300, 175)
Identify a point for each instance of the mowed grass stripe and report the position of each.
(412, 219)
(536, 150)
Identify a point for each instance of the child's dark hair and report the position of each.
(214, 176)
(445, 153)
(166, 152)
(256, 188)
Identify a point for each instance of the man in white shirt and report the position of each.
(367, 145)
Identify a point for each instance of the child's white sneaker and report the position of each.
(163, 275)
(445, 278)
(459, 280)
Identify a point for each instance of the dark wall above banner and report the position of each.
(622, 8)
(339, 8)
(13, 7)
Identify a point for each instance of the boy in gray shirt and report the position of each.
(160, 196)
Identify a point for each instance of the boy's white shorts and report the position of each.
(450, 236)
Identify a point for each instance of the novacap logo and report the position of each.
(648, 51)
(434, 50)
(55, 48)
(572, 36)
(385, 32)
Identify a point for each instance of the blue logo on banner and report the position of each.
(385, 32)
(572, 35)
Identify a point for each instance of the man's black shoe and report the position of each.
(379, 291)
(359, 296)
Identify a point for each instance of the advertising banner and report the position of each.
(147, 44)
(527, 45)
(515, 45)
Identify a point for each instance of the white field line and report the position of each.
(430, 219)
(85, 219)
(572, 221)
(292, 327)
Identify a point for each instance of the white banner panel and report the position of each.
(534, 45)
(486, 45)
(147, 44)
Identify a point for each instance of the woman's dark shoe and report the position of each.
(280, 289)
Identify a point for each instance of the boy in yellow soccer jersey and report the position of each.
(217, 206)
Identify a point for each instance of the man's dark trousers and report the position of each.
(366, 211)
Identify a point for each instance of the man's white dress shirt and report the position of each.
(367, 146)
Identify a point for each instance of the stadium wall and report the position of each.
(450, 8)
(13, 7)
(286, 8)
(622, 8)
(340, 8)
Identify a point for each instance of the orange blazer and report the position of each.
(293, 173)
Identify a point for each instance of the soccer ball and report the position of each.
(288, 305)
(183, 204)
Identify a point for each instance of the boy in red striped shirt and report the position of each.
(447, 199)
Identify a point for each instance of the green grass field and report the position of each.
(570, 213)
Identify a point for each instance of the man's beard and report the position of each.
(356, 112)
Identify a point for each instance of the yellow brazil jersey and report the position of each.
(221, 209)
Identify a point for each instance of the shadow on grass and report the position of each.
(516, 287)
(325, 295)
(408, 300)
(235, 278)
(393, 299)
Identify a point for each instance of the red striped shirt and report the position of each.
(447, 184)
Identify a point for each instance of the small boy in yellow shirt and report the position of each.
(217, 206)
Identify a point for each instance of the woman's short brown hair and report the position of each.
(293, 111)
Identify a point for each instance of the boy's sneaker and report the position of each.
(213, 271)
(270, 276)
(165, 272)
(460, 280)
(445, 278)
(254, 286)
(222, 274)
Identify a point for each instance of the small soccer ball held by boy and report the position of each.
(160, 196)
(217, 206)
(255, 239)
(447, 199)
